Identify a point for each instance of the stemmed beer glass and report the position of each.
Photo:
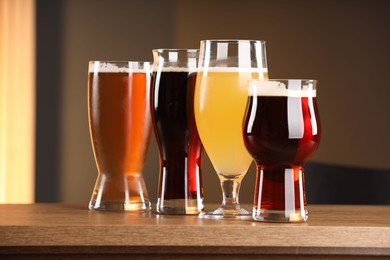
(225, 66)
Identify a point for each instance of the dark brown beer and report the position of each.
(281, 133)
(180, 148)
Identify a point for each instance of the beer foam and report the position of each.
(279, 89)
(112, 67)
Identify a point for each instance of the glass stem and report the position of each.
(230, 193)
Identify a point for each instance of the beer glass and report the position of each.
(120, 127)
(281, 130)
(225, 66)
(180, 189)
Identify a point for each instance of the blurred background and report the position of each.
(343, 44)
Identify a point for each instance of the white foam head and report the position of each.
(282, 88)
(120, 66)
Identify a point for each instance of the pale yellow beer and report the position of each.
(220, 100)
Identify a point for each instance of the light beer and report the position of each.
(225, 66)
(220, 102)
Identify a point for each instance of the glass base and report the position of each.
(280, 194)
(222, 213)
(119, 206)
(179, 207)
(120, 193)
(280, 215)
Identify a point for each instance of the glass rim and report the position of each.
(232, 40)
(261, 80)
(175, 50)
(120, 61)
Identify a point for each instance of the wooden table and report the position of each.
(73, 231)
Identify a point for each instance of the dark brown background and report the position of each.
(344, 44)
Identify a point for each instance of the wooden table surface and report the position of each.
(74, 231)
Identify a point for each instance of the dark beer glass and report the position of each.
(120, 127)
(281, 130)
(180, 189)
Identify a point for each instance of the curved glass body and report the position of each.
(281, 131)
(120, 127)
(180, 189)
(225, 66)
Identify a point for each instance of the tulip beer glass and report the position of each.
(281, 130)
(180, 189)
(225, 66)
(120, 127)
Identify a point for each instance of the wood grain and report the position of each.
(38, 229)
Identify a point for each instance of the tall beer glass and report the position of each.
(281, 131)
(120, 127)
(180, 189)
(225, 66)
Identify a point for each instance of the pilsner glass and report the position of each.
(225, 66)
(120, 127)
(180, 189)
(281, 130)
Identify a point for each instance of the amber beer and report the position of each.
(120, 126)
(281, 131)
